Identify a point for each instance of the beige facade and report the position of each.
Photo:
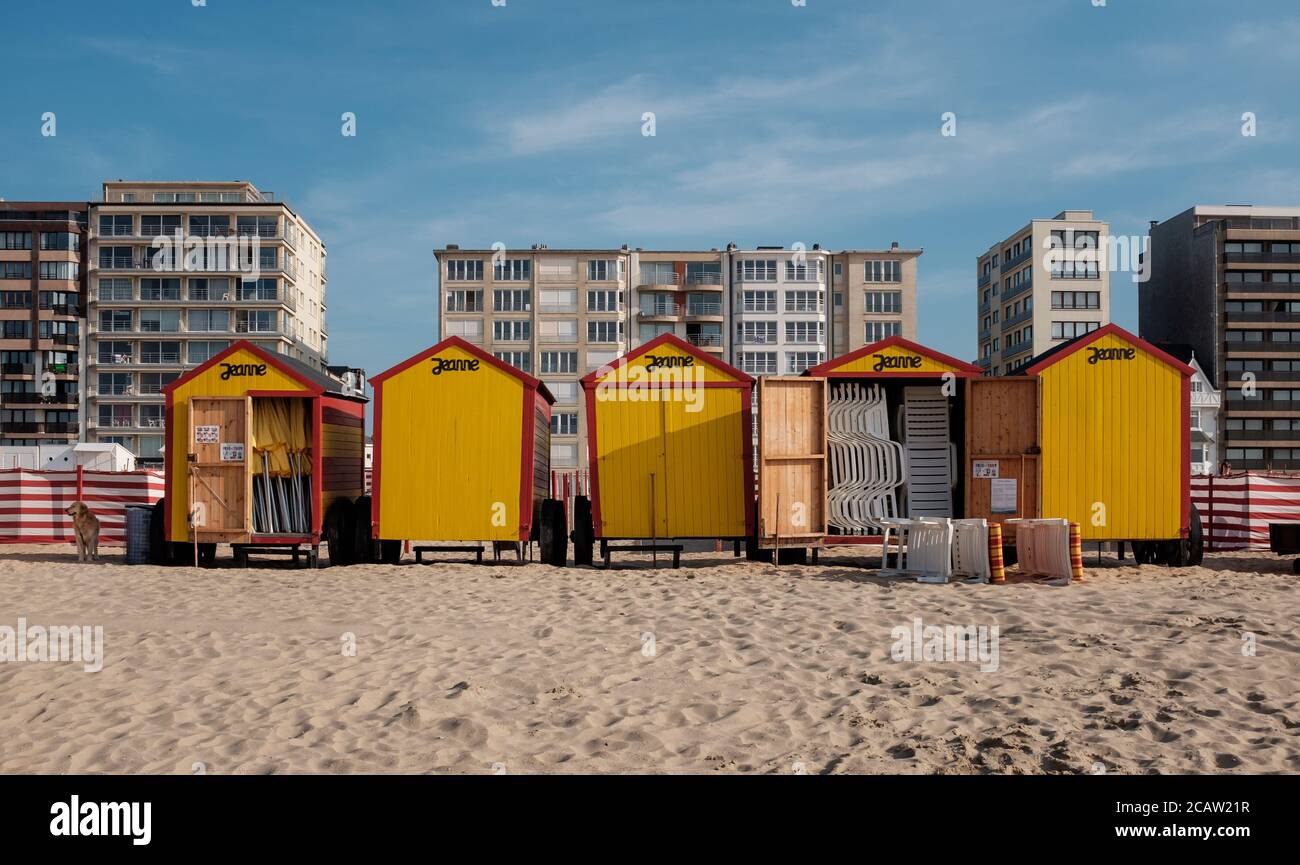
(149, 317)
(873, 296)
(1044, 284)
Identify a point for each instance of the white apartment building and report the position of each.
(149, 318)
(1027, 304)
(780, 324)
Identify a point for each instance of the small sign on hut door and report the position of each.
(232, 453)
(1004, 495)
(986, 469)
(207, 434)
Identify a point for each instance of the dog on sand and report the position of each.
(86, 526)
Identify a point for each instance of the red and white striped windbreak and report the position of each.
(1236, 510)
(32, 503)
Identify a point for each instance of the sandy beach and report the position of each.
(721, 666)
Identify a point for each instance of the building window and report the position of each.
(883, 271)
(806, 272)
(758, 301)
(804, 301)
(1076, 300)
(805, 332)
(464, 301)
(758, 362)
(558, 300)
(209, 289)
(464, 270)
(604, 269)
(559, 361)
(1072, 329)
(604, 331)
(160, 289)
(565, 392)
(15, 240)
(512, 300)
(604, 300)
(799, 361)
(512, 270)
(756, 332)
(878, 330)
(884, 301)
(64, 240)
(520, 360)
(512, 331)
(470, 329)
(16, 270)
(756, 270)
(209, 320)
(564, 423)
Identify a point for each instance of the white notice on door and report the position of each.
(207, 435)
(1004, 495)
(232, 453)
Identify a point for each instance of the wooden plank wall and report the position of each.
(792, 458)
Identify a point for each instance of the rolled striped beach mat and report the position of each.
(997, 570)
(1076, 553)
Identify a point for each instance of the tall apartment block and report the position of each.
(42, 290)
(151, 317)
(559, 314)
(1028, 303)
(873, 296)
(1226, 280)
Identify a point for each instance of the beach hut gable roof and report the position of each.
(928, 360)
(312, 382)
(723, 368)
(1061, 352)
(470, 349)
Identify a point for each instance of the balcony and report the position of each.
(1017, 290)
(18, 369)
(1261, 404)
(705, 340)
(1250, 289)
(1010, 351)
(985, 334)
(1017, 260)
(658, 280)
(1023, 315)
(984, 279)
(61, 309)
(983, 363)
(705, 280)
(20, 428)
(1237, 436)
(1261, 258)
(661, 309)
(62, 427)
(703, 309)
(1281, 317)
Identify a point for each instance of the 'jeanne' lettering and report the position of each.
(896, 361)
(239, 370)
(1095, 354)
(452, 364)
(668, 361)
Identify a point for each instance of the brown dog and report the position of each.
(86, 525)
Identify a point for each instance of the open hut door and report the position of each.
(218, 463)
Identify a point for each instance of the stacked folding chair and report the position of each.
(1043, 548)
(930, 452)
(867, 468)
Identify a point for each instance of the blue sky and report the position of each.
(776, 124)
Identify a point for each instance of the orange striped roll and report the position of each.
(1076, 553)
(997, 571)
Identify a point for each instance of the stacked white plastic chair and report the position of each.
(924, 549)
(970, 550)
(867, 468)
(1043, 547)
(930, 452)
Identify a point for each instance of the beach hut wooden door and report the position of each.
(1002, 450)
(218, 467)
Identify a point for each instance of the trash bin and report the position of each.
(137, 533)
